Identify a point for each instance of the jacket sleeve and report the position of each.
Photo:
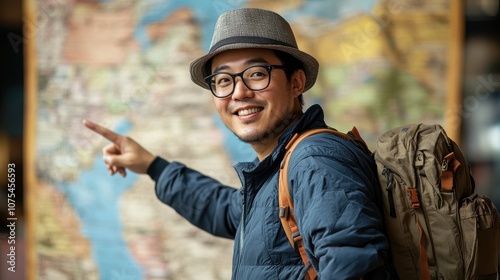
(341, 226)
(200, 199)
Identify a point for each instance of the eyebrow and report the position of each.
(248, 62)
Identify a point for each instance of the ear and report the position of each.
(298, 82)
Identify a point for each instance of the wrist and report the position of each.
(156, 168)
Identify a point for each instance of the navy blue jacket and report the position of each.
(332, 185)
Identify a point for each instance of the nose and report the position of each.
(241, 91)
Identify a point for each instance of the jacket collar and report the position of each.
(312, 118)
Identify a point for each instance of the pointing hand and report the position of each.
(123, 152)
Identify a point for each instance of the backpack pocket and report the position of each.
(480, 225)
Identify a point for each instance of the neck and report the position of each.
(264, 147)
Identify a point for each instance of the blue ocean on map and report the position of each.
(95, 196)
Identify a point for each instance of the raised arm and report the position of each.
(123, 152)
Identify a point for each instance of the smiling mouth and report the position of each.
(246, 112)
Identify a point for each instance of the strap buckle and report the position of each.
(413, 196)
(296, 239)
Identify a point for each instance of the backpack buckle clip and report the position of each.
(413, 196)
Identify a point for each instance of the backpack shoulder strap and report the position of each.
(286, 213)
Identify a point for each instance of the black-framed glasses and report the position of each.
(257, 77)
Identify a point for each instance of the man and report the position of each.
(257, 76)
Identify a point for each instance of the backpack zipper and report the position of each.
(444, 167)
(389, 177)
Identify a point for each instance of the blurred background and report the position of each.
(81, 73)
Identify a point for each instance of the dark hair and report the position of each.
(289, 60)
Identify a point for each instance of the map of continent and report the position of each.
(125, 65)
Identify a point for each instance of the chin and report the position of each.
(252, 137)
(249, 139)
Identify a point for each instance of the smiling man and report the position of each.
(257, 76)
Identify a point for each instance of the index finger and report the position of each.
(104, 132)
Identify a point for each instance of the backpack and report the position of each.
(437, 227)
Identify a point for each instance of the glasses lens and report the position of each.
(256, 78)
(221, 84)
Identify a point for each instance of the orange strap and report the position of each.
(424, 267)
(449, 167)
(286, 214)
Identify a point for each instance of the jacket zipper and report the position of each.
(242, 231)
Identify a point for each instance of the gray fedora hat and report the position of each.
(253, 28)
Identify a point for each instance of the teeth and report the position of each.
(248, 111)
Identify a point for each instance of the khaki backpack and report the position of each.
(437, 227)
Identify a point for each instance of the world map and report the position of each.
(125, 65)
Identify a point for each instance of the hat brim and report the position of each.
(311, 65)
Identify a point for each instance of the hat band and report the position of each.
(248, 39)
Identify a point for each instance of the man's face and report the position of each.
(256, 116)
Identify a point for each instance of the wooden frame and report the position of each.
(30, 107)
(452, 117)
